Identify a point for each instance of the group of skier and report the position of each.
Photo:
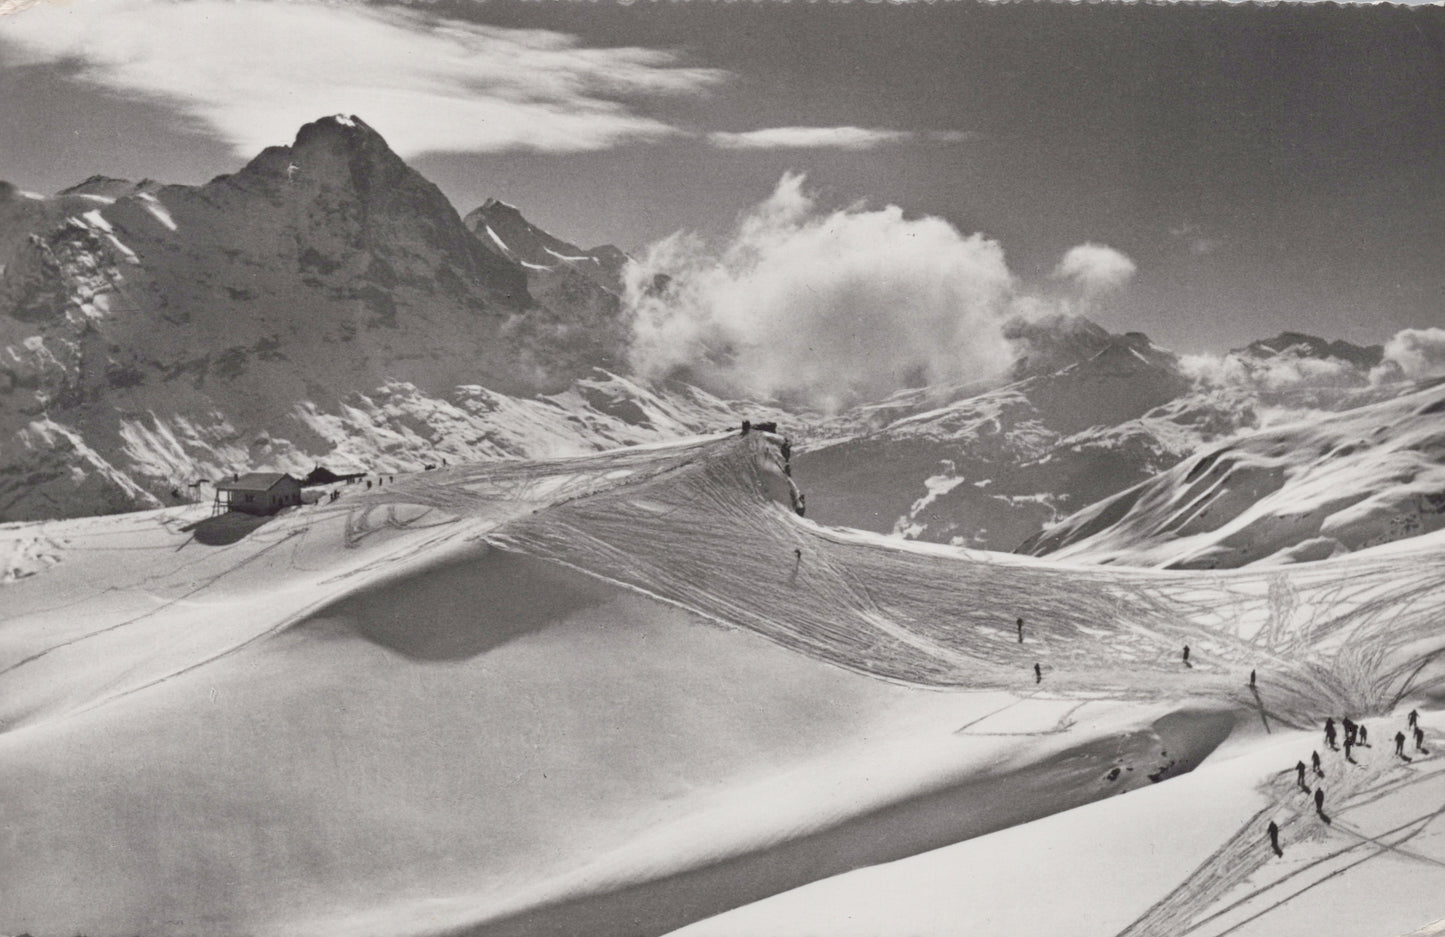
(1355, 734)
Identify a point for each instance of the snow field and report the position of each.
(603, 695)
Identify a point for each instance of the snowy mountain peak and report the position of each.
(331, 152)
(1045, 344)
(502, 229)
(495, 206)
(104, 186)
(1302, 345)
(151, 335)
(350, 125)
(354, 139)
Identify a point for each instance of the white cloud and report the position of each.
(1410, 354)
(1095, 268)
(825, 307)
(841, 138)
(837, 138)
(1275, 373)
(1413, 354)
(252, 71)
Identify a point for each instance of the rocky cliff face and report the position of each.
(210, 316)
(578, 290)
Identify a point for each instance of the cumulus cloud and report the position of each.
(1412, 354)
(1277, 373)
(822, 307)
(837, 138)
(1095, 268)
(252, 71)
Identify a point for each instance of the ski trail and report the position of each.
(1246, 856)
(161, 607)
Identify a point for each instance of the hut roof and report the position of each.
(253, 481)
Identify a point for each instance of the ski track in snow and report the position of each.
(1327, 637)
(699, 525)
(1329, 849)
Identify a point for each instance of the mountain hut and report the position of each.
(259, 493)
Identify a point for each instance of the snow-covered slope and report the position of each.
(1294, 492)
(1188, 857)
(619, 693)
(1087, 415)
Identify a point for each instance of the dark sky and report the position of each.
(1267, 168)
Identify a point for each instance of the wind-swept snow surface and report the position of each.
(1303, 491)
(622, 693)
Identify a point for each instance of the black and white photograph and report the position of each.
(722, 468)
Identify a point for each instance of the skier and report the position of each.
(1330, 731)
(1315, 758)
(1021, 630)
(1251, 679)
(1364, 740)
(1400, 744)
(1420, 740)
(1038, 674)
(1186, 656)
(1349, 730)
(1320, 801)
(1413, 719)
(1274, 838)
(1348, 746)
(1299, 771)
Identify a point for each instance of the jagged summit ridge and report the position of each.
(1300, 344)
(501, 228)
(215, 314)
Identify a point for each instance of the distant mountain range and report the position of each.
(1300, 491)
(1088, 414)
(326, 304)
(323, 303)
